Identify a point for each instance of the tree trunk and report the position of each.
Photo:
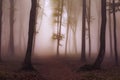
(74, 41)
(89, 28)
(27, 61)
(115, 34)
(67, 32)
(11, 40)
(100, 57)
(101, 54)
(68, 26)
(89, 31)
(83, 55)
(0, 28)
(60, 25)
(110, 32)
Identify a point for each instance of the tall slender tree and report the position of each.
(0, 27)
(101, 54)
(59, 25)
(89, 23)
(110, 31)
(100, 57)
(83, 55)
(27, 61)
(11, 40)
(89, 29)
(115, 34)
(68, 8)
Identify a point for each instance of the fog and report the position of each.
(45, 27)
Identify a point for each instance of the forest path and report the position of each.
(61, 68)
(58, 68)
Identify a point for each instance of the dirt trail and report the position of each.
(56, 69)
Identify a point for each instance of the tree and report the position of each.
(59, 25)
(115, 36)
(89, 28)
(110, 31)
(68, 8)
(68, 5)
(83, 56)
(58, 17)
(0, 27)
(27, 61)
(11, 40)
(101, 54)
(100, 57)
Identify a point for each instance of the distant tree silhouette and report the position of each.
(27, 61)
(60, 12)
(11, 40)
(83, 55)
(110, 32)
(68, 25)
(115, 34)
(89, 24)
(0, 27)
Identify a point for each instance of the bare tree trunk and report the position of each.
(89, 28)
(41, 17)
(101, 54)
(68, 25)
(99, 23)
(35, 31)
(83, 55)
(11, 41)
(110, 32)
(0, 28)
(67, 32)
(60, 25)
(115, 34)
(27, 61)
(74, 41)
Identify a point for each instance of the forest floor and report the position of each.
(61, 68)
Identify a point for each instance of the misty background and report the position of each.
(45, 27)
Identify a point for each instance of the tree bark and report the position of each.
(83, 55)
(101, 54)
(110, 33)
(67, 32)
(60, 25)
(115, 34)
(89, 30)
(68, 25)
(27, 61)
(0, 28)
(11, 41)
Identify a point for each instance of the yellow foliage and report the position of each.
(57, 36)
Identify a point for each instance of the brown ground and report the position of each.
(57, 69)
